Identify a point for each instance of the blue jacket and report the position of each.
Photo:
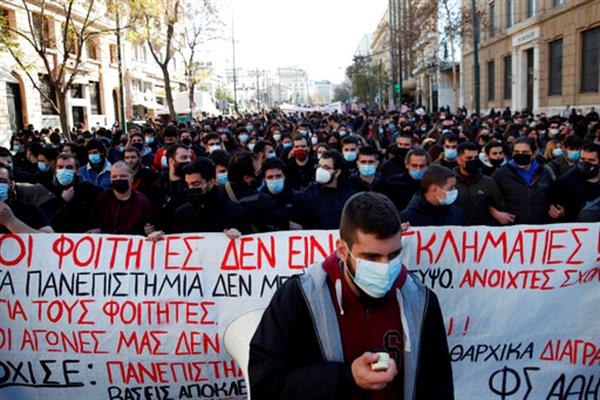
(101, 179)
(319, 207)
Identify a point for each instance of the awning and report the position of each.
(7, 77)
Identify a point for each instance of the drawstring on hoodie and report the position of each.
(338, 294)
(405, 331)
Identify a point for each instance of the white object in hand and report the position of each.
(382, 363)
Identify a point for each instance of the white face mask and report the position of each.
(322, 176)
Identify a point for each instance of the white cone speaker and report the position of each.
(237, 338)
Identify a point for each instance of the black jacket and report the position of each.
(319, 207)
(475, 195)
(300, 176)
(400, 189)
(286, 361)
(420, 212)
(528, 202)
(258, 207)
(74, 216)
(573, 192)
(214, 213)
(393, 166)
(284, 204)
(360, 185)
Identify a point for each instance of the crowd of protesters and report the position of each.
(275, 171)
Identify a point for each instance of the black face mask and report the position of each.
(120, 185)
(496, 163)
(186, 142)
(179, 168)
(138, 146)
(472, 166)
(400, 154)
(587, 170)
(522, 159)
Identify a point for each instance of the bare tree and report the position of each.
(452, 28)
(202, 25)
(160, 25)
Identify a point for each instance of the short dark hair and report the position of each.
(436, 175)
(370, 213)
(298, 137)
(95, 144)
(4, 152)
(526, 140)
(211, 136)
(172, 149)
(338, 160)
(4, 165)
(241, 165)
(449, 137)
(132, 150)
(591, 147)
(367, 151)
(491, 144)
(68, 156)
(260, 146)
(220, 157)
(464, 146)
(350, 140)
(50, 153)
(203, 166)
(572, 142)
(171, 131)
(274, 163)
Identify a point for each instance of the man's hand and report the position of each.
(149, 228)
(367, 379)
(232, 233)
(502, 217)
(6, 215)
(556, 211)
(155, 236)
(68, 194)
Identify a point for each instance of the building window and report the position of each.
(95, 105)
(530, 8)
(590, 60)
(507, 77)
(41, 30)
(556, 3)
(555, 51)
(510, 10)
(91, 49)
(491, 81)
(113, 53)
(492, 19)
(48, 93)
(77, 91)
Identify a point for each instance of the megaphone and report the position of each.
(237, 338)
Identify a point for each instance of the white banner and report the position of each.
(117, 317)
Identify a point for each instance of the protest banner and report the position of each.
(118, 317)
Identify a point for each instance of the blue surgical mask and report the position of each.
(17, 148)
(573, 155)
(350, 156)
(251, 146)
(4, 191)
(244, 137)
(222, 179)
(416, 174)
(276, 137)
(367, 169)
(286, 145)
(249, 128)
(164, 162)
(65, 176)
(450, 154)
(451, 196)
(121, 148)
(42, 167)
(275, 186)
(149, 140)
(95, 158)
(375, 278)
(553, 132)
(271, 155)
(558, 152)
(381, 130)
(343, 133)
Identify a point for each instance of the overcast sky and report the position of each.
(319, 36)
